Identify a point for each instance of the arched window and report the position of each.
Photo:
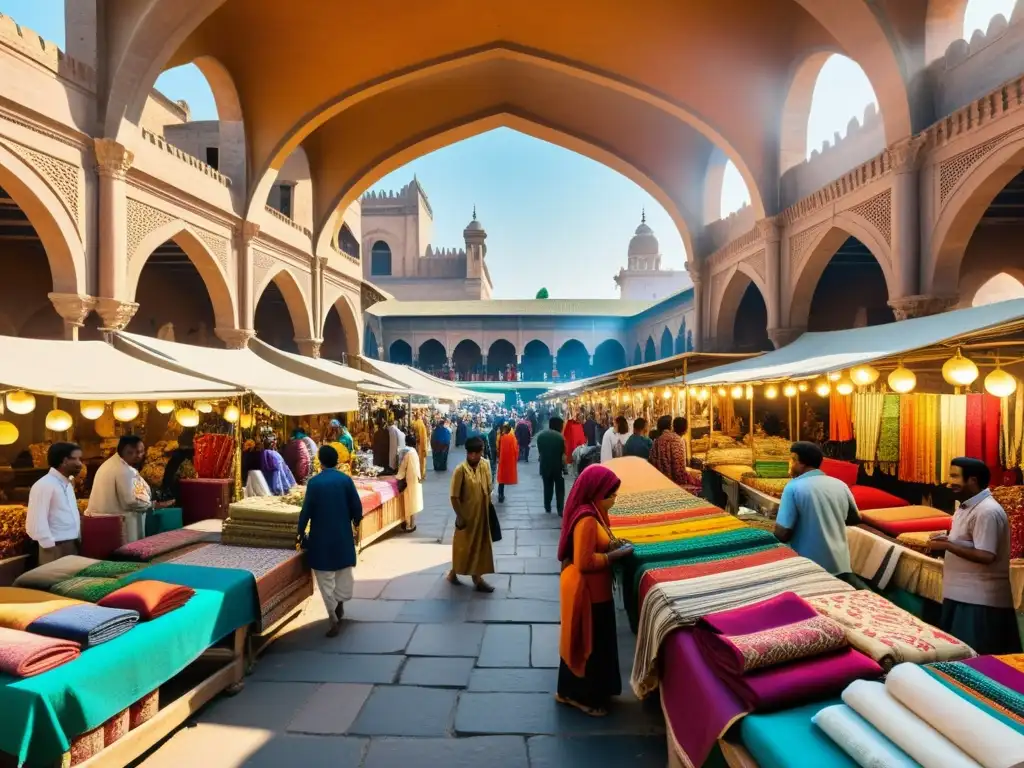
(348, 244)
(380, 259)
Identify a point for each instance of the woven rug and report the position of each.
(268, 509)
(258, 561)
(285, 601)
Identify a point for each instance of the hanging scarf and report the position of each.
(867, 423)
(975, 427)
(840, 427)
(990, 435)
(908, 438)
(594, 484)
(952, 431)
(889, 434)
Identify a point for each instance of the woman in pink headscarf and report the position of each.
(588, 673)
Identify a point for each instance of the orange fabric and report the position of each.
(150, 598)
(508, 459)
(840, 424)
(637, 475)
(587, 580)
(19, 607)
(912, 512)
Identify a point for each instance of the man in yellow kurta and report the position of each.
(471, 500)
(419, 427)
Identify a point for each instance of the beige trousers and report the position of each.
(335, 587)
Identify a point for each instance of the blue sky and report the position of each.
(553, 218)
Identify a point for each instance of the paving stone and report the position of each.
(527, 550)
(544, 645)
(434, 611)
(369, 637)
(509, 565)
(317, 667)
(446, 640)
(514, 611)
(491, 751)
(505, 645)
(260, 705)
(368, 589)
(439, 672)
(537, 536)
(634, 751)
(525, 713)
(412, 587)
(549, 551)
(535, 587)
(406, 710)
(542, 565)
(446, 591)
(373, 610)
(307, 751)
(513, 680)
(331, 709)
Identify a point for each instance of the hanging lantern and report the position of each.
(771, 391)
(21, 402)
(694, 391)
(823, 389)
(999, 383)
(902, 380)
(126, 410)
(246, 421)
(703, 393)
(165, 406)
(204, 406)
(58, 420)
(789, 390)
(802, 386)
(844, 386)
(835, 375)
(737, 392)
(721, 392)
(749, 392)
(958, 371)
(92, 409)
(187, 417)
(864, 375)
(8, 433)
(667, 394)
(231, 414)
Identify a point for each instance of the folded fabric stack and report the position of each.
(86, 625)
(19, 607)
(145, 550)
(263, 521)
(995, 682)
(273, 569)
(23, 654)
(917, 541)
(387, 487)
(150, 599)
(81, 578)
(930, 722)
(770, 486)
(872, 557)
(897, 520)
(780, 652)
(886, 633)
(45, 576)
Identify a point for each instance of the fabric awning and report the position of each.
(326, 371)
(284, 391)
(420, 383)
(94, 370)
(814, 354)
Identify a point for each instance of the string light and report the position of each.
(231, 414)
(823, 389)
(771, 391)
(789, 390)
(844, 386)
(737, 392)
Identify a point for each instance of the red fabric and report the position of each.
(101, 536)
(151, 599)
(922, 524)
(508, 459)
(23, 654)
(990, 436)
(875, 498)
(841, 470)
(594, 484)
(204, 498)
(975, 426)
(574, 436)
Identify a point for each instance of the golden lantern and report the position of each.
(58, 420)
(703, 393)
(721, 392)
(667, 394)
(789, 390)
(8, 433)
(246, 421)
(165, 406)
(844, 386)
(737, 392)
(823, 388)
(835, 375)
(902, 380)
(999, 383)
(958, 371)
(126, 410)
(204, 406)
(187, 417)
(802, 386)
(771, 391)
(231, 414)
(864, 375)
(749, 392)
(21, 402)
(694, 391)
(92, 409)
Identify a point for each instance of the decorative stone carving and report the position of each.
(782, 336)
(877, 211)
(799, 244)
(116, 314)
(770, 229)
(142, 219)
(262, 262)
(234, 338)
(956, 168)
(758, 262)
(921, 306)
(61, 176)
(905, 155)
(248, 232)
(112, 159)
(72, 307)
(368, 296)
(218, 246)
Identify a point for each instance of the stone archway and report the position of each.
(432, 356)
(609, 356)
(743, 319)
(500, 355)
(573, 360)
(340, 329)
(467, 358)
(400, 352)
(537, 361)
(284, 310)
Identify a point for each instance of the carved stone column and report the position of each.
(244, 238)
(921, 306)
(906, 220)
(309, 347)
(770, 232)
(782, 336)
(112, 163)
(116, 314)
(234, 338)
(73, 308)
(698, 305)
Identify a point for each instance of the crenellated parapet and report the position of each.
(45, 52)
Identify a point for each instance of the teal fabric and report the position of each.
(162, 520)
(788, 739)
(42, 714)
(977, 702)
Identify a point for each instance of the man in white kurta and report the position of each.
(118, 489)
(396, 442)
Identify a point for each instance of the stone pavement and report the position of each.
(425, 673)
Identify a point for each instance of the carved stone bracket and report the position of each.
(309, 347)
(782, 336)
(905, 155)
(116, 314)
(112, 159)
(73, 307)
(770, 229)
(921, 306)
(234, 338)
(248, 232)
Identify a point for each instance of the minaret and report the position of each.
(476, 248)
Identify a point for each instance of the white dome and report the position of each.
(643, 242)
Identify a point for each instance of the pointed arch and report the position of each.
(206, 264)
(370, 348)
(350, 324)
(728, 308)
(432, 355)
(400, 352)
(609, 356)
(667, 348)
(638, 355)
(294, 299)
(650, 350)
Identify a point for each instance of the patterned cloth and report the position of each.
(873, 557)
(1011, 499)
(654, 502)
(264, 509)
(888, 634)
(980, 685)
(867, 422)
(770, 647)
(668, 456)
(89, 589)
(273, 569)
(151, 546)
(889, 433)
(111, 569)
(771, 486)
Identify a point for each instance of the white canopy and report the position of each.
(285, 392)
(814, 354)
(94, 370)
(325, 371)
(420, 383)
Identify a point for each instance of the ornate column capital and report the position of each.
(905, 155)
(234, 338)
(112, 159)
(694, 270)
(73, 307)
(116, 314)
(770, 229)
(309, 347)
(248, 231)
(921, 306)
(782, 336)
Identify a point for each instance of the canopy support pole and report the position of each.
(797, 408)
(753, 450)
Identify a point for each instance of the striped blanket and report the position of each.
(671, 605)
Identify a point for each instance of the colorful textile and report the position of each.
(788, 739)
(151, 599)
(285, 601)
(840, 425)
(920, 575)
(776, 470)
(991, 420)
(917, 540)
(919, 438)
(676, 604)
(143, 710)
(266, 509)
(872, 558)
(273, 569)
(151, 546)
(1011, 499)
(19, 607)
(867, 423)
(767, 485)
(91, 590)
(116, 727)
(23, 654)
(968, 678)
(45, 576)
(1007, 670)
(214, 455)
(859, 739)
(86, 625)
(110, 569)
(769, 647)
(656, 501)
(888, 634)
(258, 540)
(915, 517)
(683, 529)
(668, 456)
(952, 432)
(889, 433)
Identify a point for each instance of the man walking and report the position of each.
(52, 518)
(551, 449)
(330, 510)
(668, 452)
(524, 434)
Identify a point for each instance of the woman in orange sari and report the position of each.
(508, 460)
(588, 673)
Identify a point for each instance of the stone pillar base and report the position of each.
(782, 336)
(309, 347)
(73, 309)
(116, 314)
(234, 338)
(922, 306)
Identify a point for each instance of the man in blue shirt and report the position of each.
(814, 512)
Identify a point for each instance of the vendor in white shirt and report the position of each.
(119, 489)
(52, 518)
